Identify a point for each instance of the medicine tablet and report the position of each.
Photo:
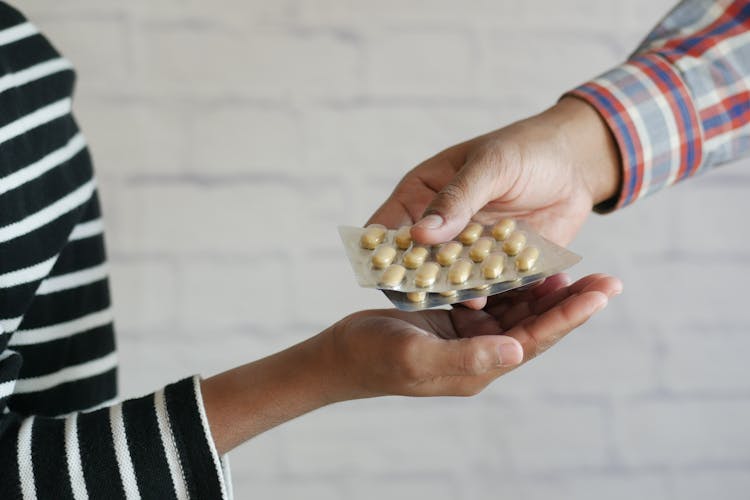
(403, 237)
(415, 257)
(471, 233)
(416, 296)
(393, 275)
(481, 249)
(448, 253)
(373, 236)
(383, 256)
(459, 272)
(426, 275)
(514, 243)
(502, 229)
(481, 287)
(527, 258)
(449, 293)
(493, 266)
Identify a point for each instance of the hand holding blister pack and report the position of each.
(482, 261)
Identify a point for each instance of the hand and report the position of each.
(459, 351)
(549, 169)
(374, 353)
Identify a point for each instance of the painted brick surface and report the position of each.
(212, 122)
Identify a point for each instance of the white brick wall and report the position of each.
(213, 121)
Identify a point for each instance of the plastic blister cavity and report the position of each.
(482, 261)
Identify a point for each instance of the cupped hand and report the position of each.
(549, 169)
(459, 351)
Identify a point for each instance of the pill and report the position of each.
(415, 257)
(373, 236)
(527, 258)
(416, 296)
(459, 272)
(502, 229)
(515, 243)
(383, 256)
(471, 233)
(481, 249)
(403, 237)
(448, 253)
(481, 287)
(393, 275)
(426, 275)
(449, 293)
(493, 265)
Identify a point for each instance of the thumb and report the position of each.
(454, 206)
(472, 356)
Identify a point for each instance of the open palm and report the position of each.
(460, 351)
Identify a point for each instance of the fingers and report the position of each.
(474, 304)
(456, 203)
(539, 299)
(608, 285)
(467, 365)
(537, 334)
(470, 323)
(534, 291)
(512, 307)
(549, 285)
(418, 188)
(392, 214)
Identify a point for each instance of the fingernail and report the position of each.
(510, 353)
(432, 221)
(601, 306)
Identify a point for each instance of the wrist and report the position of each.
(336, 367)
(253, 398)
(589, 145)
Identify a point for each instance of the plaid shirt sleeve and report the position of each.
(681, 103)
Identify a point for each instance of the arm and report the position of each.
(678, 106)
(159, 444)
(56, 355)
(168, 443)
(681, 103)
(389, 352)
(56, 336)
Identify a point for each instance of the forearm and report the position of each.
(253, 398)
(679, 104)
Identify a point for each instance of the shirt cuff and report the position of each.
(203, 473)
(653, 119)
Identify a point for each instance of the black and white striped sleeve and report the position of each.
(62, 435)
(154, 447)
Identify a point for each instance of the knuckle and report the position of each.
(453, 194)
(543, 345)
(493, 153)
(407, 358)
(474, 361)
(497, 159)
(554, 339)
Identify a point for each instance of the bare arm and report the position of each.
(376, 353)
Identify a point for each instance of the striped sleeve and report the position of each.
(62, 435)
(680, 105)
(155, 447)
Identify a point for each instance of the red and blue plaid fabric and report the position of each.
(681, 103)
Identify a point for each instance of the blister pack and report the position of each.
(481, 261)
